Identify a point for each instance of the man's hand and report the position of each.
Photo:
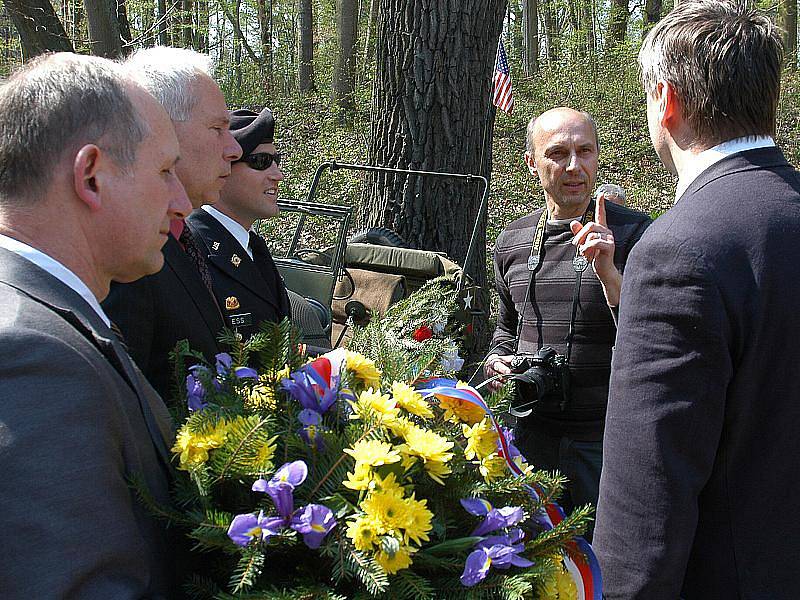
(497, 365)
(596, 242)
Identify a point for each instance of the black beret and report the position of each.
(251, 129)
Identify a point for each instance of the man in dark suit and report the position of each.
(78, 421)
(247, 284)
(698, 496)
(177, 303)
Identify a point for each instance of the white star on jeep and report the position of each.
(468, 301)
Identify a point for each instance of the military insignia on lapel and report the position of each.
(215, 246)
(231, 303)
(235, 260)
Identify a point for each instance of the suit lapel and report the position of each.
(176, 260)
(222, 247)
(42, 287)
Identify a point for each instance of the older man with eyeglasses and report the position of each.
(246, 281)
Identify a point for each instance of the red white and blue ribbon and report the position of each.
(579, 560)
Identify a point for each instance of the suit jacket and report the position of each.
(243, 292)
(77, 423)
(157, 311)
(700, 486)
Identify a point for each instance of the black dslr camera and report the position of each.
(539, 378)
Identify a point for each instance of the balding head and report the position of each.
(563, 154)
(54, 105)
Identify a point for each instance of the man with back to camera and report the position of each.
(247, 283)
(698, 497)
(178, 302)
(78, 421)
(536, 282)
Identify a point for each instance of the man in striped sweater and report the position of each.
(535, 274)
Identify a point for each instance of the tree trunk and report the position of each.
(787, 21)
(372, 22)
(345, 75)
(39, 27)
(530, 21)
(432, 87)
(617, 23)
(162, 23)
(305, 69)
(553, 36)
(265, 26)
(652, 13)
(187, 28)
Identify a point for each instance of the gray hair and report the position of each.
(724, 61)
(169, 74)
(55, 105)
(530, 130)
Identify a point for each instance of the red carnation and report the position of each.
(422, 333)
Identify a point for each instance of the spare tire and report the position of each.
(379, 236)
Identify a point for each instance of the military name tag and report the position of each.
(533, 262)
(579, 263)
(241, 320)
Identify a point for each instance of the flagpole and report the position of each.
(483, 207)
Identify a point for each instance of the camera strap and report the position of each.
(579, 265)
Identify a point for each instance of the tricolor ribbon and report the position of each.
(580, 560)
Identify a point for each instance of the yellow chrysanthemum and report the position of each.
(388, 484)
(419, 521)
(408, 399)
(261, 397)
(364, 532)
(481, 439)
(373, 453)
(373, 403)
(193, 448)
(431, 448)
(559, 586)
(400, 426)
(363, 368)
(456, 410)
(397, 562)
(493, 467)
(387, 508)
(360, 478)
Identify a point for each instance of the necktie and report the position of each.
(193, 252)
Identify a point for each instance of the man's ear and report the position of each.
(531, 162)
(85, 171)
(670, 110)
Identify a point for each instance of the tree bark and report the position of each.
(344, 77)
(530, 20)
(553, 35)
(161, 15)
(617, 23)
(40, 30)
(265, 26)
(432, 88)
(305, 70)
(652, 13)
(372, 22)
(787, 21)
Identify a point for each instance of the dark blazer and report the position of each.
(77, 422)
(243, 292)
(700, 487)
(155, 312)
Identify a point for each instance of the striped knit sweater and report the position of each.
(546, 315)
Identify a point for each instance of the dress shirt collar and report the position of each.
(235, 229)
(56, 269)
(706, 158)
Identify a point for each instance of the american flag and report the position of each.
(503, 95)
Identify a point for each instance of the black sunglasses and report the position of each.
(261, 161)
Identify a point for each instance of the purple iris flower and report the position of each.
(495, 517)
(513, 451)
(195, 393)
(314, 521)
(310, 389)
(500, 556)
(312, 428)
(245, 528)
(224, 363)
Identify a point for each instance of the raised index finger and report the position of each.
(601, 210)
